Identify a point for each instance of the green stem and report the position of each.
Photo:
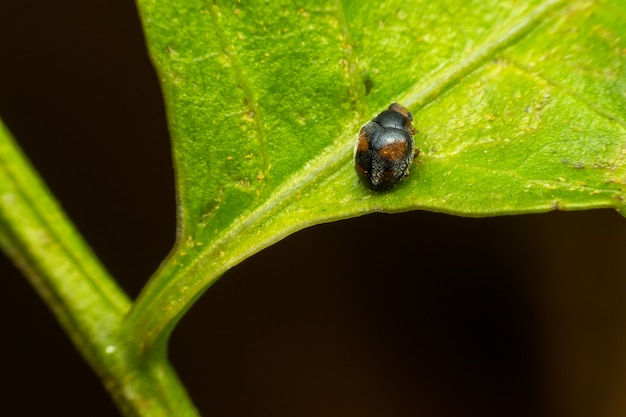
(86, 301)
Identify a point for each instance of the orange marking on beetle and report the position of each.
(394, 151)
(363, 143)
(386, 176)
(360, 170)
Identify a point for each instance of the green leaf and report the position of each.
(521, 107)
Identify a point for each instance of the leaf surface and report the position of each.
(521, 107)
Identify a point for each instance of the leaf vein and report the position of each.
(589, 103)
(254, 109)
(505, 36)
(352, 66)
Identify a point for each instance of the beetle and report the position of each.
(385, 148)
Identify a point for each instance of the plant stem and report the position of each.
(86, 301)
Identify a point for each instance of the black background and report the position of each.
(405, 315)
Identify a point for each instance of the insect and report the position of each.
(385, 148)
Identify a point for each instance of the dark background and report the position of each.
(405, 315)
